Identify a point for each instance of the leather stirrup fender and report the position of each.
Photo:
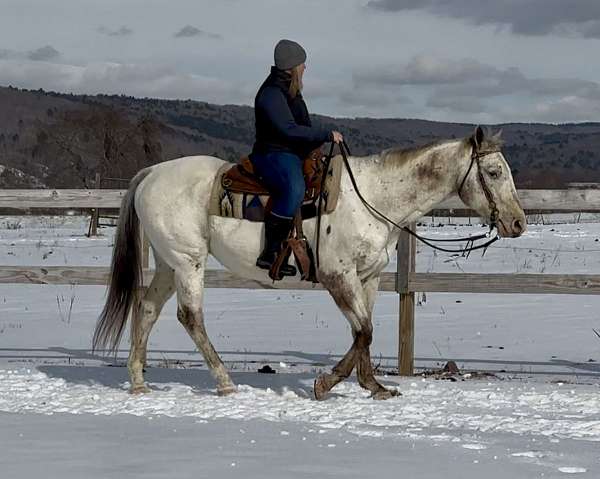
(281, 258)
(298, 247)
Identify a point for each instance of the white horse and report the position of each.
(170, 202)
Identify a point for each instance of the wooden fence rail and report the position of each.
(537, 200)
(405, 281)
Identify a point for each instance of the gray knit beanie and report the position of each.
(288, 54)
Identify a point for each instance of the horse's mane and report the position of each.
(399, 155)
(402, 152)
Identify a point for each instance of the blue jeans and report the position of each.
(282, 174)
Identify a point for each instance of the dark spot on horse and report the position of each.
(185, 316)
(429, 170)
(338, 288)
(197, 266)
(466, 195)
(362, 258)
(329, 229)
(364, 338)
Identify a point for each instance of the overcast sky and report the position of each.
(486, 61)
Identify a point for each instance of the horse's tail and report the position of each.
(125, 273)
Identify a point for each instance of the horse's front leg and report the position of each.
(349, 294)
(326, 381)
(346, 291)
(364, 367)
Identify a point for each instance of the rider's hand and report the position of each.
(337, 137)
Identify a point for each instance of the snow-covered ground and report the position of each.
(66, 413)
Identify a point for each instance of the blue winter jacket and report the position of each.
(282, 122)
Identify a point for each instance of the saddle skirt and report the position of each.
(238, 193)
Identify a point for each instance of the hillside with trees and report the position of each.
(59, 140)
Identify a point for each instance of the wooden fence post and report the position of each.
(93, 231)
(406, 336)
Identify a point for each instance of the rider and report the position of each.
(284, 137)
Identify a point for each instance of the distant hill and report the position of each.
(62, 141)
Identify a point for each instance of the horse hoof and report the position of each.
(226, 391)
(320, 388)
(143, 389)
(386, 394)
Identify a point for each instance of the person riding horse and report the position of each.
(284, 137)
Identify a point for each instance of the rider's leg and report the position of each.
(277, 229)
(282, 175)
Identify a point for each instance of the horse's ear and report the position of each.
(477, 138)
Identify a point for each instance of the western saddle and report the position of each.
(241, 178)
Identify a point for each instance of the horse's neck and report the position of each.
(404, 187)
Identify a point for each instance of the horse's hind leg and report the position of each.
(190, 290)
(144, 317)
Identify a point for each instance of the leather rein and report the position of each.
(470, 240)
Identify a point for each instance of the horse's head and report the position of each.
(487, 185)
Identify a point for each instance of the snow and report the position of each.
(538, 417)
(572, 470)
(443, 406)
(113, 447)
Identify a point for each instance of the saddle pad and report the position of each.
(251, 207)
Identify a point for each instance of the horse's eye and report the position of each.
(495, 174)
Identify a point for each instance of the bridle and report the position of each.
(470, 240)
(476, 156)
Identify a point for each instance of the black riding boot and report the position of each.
(277, 230)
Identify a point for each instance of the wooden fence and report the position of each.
(405, 281)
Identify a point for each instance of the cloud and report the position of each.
(44, 54)
(580, 18)
(569, 108)
(512, 82)
(458, 104)
(120, 32)
(189, 31)
(8, 54)
(368, 99)
(469, 77)
(469, 87)
(117, 78)
(426, 70)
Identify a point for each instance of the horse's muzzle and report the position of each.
(514, 229)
